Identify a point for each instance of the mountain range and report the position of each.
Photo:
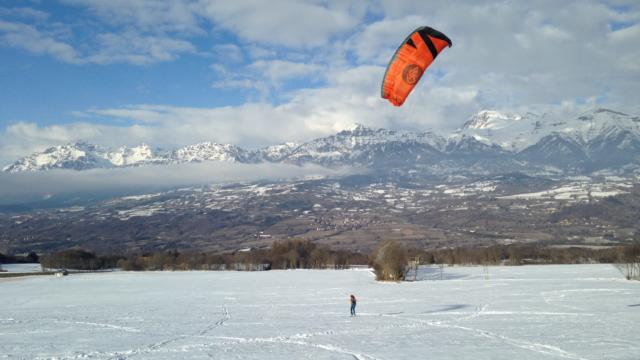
(501, 178)
(490, 141)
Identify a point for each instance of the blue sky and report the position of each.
(255, 73)
(48, 89)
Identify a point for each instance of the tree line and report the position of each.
(390, 260)
(521, 254)
(290, 254)
(78, 259)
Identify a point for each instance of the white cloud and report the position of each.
(228, 53)
(278, 70)
(282, 22)
(133, 48)
(138, 113)
(21, 188)
(266, 76)
(31, 39)
(24, 13)
(146, 15)
(260, 52)
(378, 41)
(127, 47)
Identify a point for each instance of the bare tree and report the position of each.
(390, 261)
(319, 258)
(629, 261)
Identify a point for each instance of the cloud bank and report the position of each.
(63, 185)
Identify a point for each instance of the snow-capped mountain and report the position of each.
(362, 145)
(136, 156)
(209, 151)
(76, 156)
(501, 142)
(464, 145)
(83, 156)
(556, 149)
(516, 132)
(616, 145)
(276, 153)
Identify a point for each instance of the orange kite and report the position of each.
(410, 61)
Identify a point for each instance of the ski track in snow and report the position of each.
(558, 297)
(292, 340)
(296, 339)
(161, 344)
(100, 325)
(523, 344)
(225, 317)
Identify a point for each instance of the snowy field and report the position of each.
(22, 268)
(529, 312)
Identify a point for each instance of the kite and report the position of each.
(410, 61)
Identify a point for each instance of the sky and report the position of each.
(255, 73)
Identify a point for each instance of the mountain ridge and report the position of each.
(591, 141)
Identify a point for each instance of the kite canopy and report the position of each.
(412, 58)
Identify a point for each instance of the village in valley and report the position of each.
(342, 213)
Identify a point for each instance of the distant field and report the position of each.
(22, 268)
(528, 312)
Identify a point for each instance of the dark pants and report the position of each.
(353, 309)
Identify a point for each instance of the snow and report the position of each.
(516, 132)
(529, 312)
(207, 151)
(143, 211)
(142, 197)
(22, 268)
(470, 189)
(576, 190)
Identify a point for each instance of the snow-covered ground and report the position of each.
(529, 312)
(22, 268)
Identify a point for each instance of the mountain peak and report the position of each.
(603, 110)
(359, 129)
(208, 151)
(490, 119)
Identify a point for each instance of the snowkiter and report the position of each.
(353, 305)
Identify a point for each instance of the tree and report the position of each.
(340, 259)
(131, 264)
(515, 255)
(319, 257)
(629, 261)
(390, 261)
(291, 254)
(77, 259)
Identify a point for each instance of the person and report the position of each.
(353, 305)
